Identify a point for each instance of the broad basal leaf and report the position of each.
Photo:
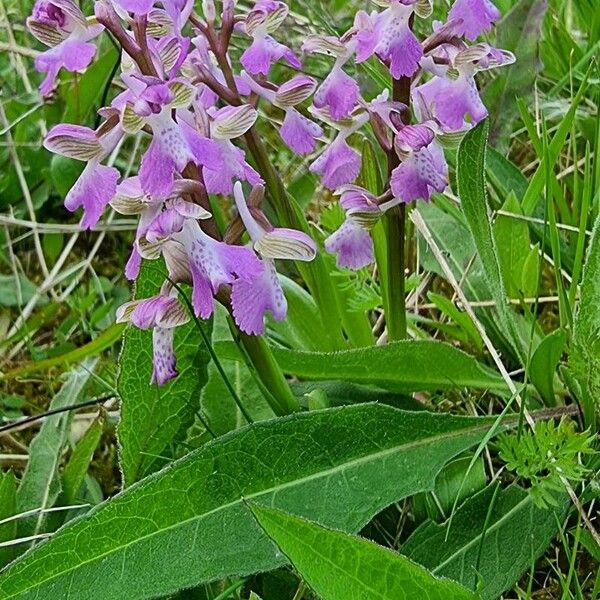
(339, 566)
(496, 548)
(189, 523)
(154, 417)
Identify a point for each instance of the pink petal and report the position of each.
(164, 362)
(338, 165)
(299, 133)
(419, 176)
(476, 17)
(339, 92)
(352, 244)
(95, 188)
(252, 299)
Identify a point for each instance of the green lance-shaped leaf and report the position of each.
(585, 352)
(472, 192)
(339, 566)
(494, 538)
(406, 366)
(339, 467)
(155, 417)
(8, 508)
(75, 470)
(40, 485)
(545, 359)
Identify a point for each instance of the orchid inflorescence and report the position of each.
(182, 86)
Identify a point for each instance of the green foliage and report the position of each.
(491, 540)
(76, 468)
(8, 508)
(584, 360)
(155, 418)
(401, 366)
(338, 566)
(472, 192)
(337, 466)
(41, 485)
(546, 456)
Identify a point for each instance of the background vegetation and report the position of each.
(510, 514)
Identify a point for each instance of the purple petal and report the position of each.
(94, 189)
(352, 244)
(252, 299)
(134, 263)
(137, 7)
(452, 102)
(404, 54)
(299, 133)
(258, 57)
(338, 165)
(157, 170)
(476, 16)
(73, 55)
(164, 362)
(214, 264)
(420, 175)
(339, 92)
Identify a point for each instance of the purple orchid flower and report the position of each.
(252, 298)
(451, 96)
(161, 313)
(97, 184)
(297, 131)
(175, 142)
(213, 264)
(227, 124)
(352, 241)
(339, 93)
(339, 164)
(62, 26)
(423, 169)
(131, 199)
(389, 36)
(474, 17)
(265, 18)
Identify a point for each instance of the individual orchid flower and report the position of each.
(422, 169)
(251, 299)
(227, 124)
(131, 199)
(339, 164)
(352, 243)
(388, 35)
(62, 26)
(297, 131)
(474, 17)
(97, 184)
(339, 93)
(161, 313)
(263, 19)
(451, 96)
(176, 142)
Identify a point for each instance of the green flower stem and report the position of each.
(394, 297)
(270, 377)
